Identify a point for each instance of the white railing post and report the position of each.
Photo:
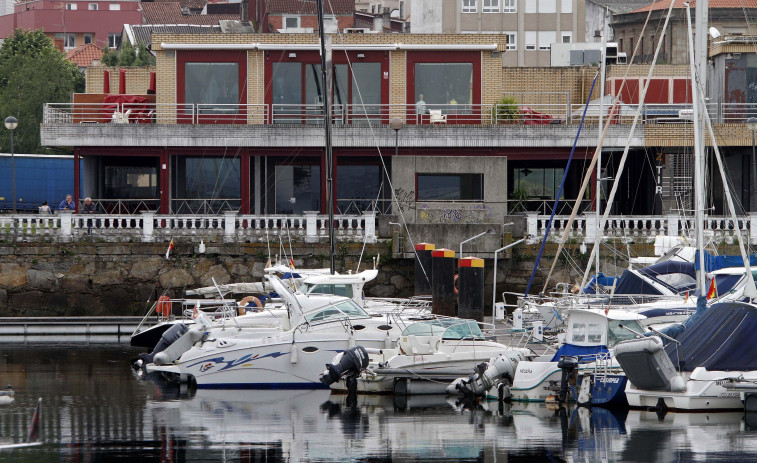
(311, 226)
(147, 226)
(66, 216)
(370, 226)
(229, 225)
(590, 232)
(532, 226)
(753, 228)
(672, 225)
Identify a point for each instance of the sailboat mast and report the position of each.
(325, 72)
(698, 139)
(598, 190)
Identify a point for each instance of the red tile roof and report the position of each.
(83, 55)
(665, 4)
(170, 13)
(191, 4)
(309, 7)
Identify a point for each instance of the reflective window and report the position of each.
(357, 187)
(213, 85)
(298, 189)
(541, 183)
(337, 290)
(594, 334)
(679, 281)
(443, 84)
(287, 90)
(130, 182)
(114, 40)
(450, 187)
(366, 91)
(579, 332)
(206, 185)
(615, 333)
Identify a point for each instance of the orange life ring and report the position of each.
(163, 307)
(454, 285)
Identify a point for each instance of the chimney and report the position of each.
(244, 11)
(386, 19)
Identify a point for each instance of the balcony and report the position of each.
(469, 126)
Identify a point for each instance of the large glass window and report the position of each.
(450, 187)
(214, 86)
(287, 91)
(131, 182)
(538, 183)
(443, 84)
(509, 6)
(357, 188)
(469, 6)
(491, 6)
(206, 185)
(366, 91)
(114, 40)
(298, 189)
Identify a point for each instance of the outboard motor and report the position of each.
(568, 364)
(347, 364)
(487, 375)
(170, 336)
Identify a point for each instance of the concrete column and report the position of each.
(229, 225)
(311, 226)
(673, 225)
(65, 224)
(532, 226)
(591, 229)
(147, 226)
(370, 227)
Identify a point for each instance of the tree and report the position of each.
(32, 72)
(128, 56)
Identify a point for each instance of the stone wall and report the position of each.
(94, 279)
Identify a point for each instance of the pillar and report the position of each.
(470, 285)
(443, 282)
(423, 268)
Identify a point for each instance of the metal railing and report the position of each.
(357, 114)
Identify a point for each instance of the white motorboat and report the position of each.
(428, 355)
(589, 339)
(691, 372)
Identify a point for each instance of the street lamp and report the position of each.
(396, 124)
(751, 124)
(490, 231)
(11, 123)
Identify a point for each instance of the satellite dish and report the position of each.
(714, 32)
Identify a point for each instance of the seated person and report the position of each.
(249, 304)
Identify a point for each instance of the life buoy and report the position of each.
(163, 307)
(454, 285)
(244, 304)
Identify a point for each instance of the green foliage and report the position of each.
(144, 57)
(32, 72)
(506, 109)
(110, 57)
(519, 196)
(128, 56)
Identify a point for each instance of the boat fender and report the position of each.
(454, 285)
(293, 353)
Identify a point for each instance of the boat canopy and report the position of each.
(602, 280)
(452, 328)
(678, 277)
(712, 263)
(722, 339)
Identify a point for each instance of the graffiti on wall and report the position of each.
(432, 213)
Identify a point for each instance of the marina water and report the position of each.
(93, 409)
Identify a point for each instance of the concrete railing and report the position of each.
(584, 227)
(148, 226)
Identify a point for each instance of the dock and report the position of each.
(67, 330)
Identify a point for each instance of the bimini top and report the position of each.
(670, 276)
(723, 339)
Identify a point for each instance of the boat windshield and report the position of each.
(338, 311)
(336, 290)
(447, 329)
(615, 333)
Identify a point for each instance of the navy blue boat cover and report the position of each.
(584, 353)
(632, 284)
(602, 280)
(712, 263)
(722, 339)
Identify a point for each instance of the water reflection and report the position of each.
(94, 410)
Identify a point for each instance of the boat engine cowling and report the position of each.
(568, 364)
(170, 336)
(488, 374)
(347, 363)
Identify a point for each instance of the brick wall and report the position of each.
(137, 79)
(548, 85)
(674, 135)
(642, 70)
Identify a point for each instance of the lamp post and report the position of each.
(11, 123)
(396, 124)
(751, 124)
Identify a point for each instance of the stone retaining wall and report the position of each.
(93, 279)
